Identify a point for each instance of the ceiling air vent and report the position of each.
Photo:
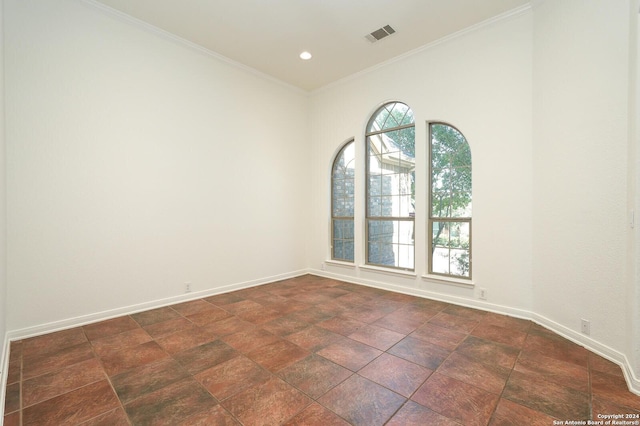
(380, 33)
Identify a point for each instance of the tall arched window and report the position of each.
(391, 187)
(450, 202)
(342, 203)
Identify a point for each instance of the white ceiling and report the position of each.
(268, 35)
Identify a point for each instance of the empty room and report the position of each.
(301, 212)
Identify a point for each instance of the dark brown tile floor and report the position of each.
(310, 351)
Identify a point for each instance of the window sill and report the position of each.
(449, 281)
(340, 264)
(395, 272)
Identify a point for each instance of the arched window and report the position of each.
(342, 203)
(391, 187)
(450, 202)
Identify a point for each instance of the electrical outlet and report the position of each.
(585, 326)
(483, 294)
(187, 287)
(322, 266)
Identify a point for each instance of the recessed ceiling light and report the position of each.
(305, 56)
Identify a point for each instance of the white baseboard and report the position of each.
(594, 346)
(412, 291)
(51, 327)
(585, 341)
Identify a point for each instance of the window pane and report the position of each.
(405, 232)
(380, 231)
(401, 144)
(343, 239)
(405, 257)
(375, 256)
(375, 165)
(338, 207)
(459, 235)
(450, 198)
(459, 263)
(440, 263)
(450, 173)
(440, 204)
(451, 248)
(349, 206)
(397, 189)
(388, 207)
(391, 186)
(342, 203)
(390, 243)
(391, 115)
(437, 180)
(460, 210)
(406, 206)
(375, 207)
(337, 249)
(337, 229)
(347, 230)
(407, 183)
(344, 166)
(348, 250)
(440, 234)
(375, 185)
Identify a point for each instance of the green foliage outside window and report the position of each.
(451, 200)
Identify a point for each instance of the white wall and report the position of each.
(581, 144)
(136, 164)
(544, 99)
(481, 83)
(634, 161)
(3, 218)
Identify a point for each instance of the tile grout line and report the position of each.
(448, 356)
(316, 305)
(500, 397)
